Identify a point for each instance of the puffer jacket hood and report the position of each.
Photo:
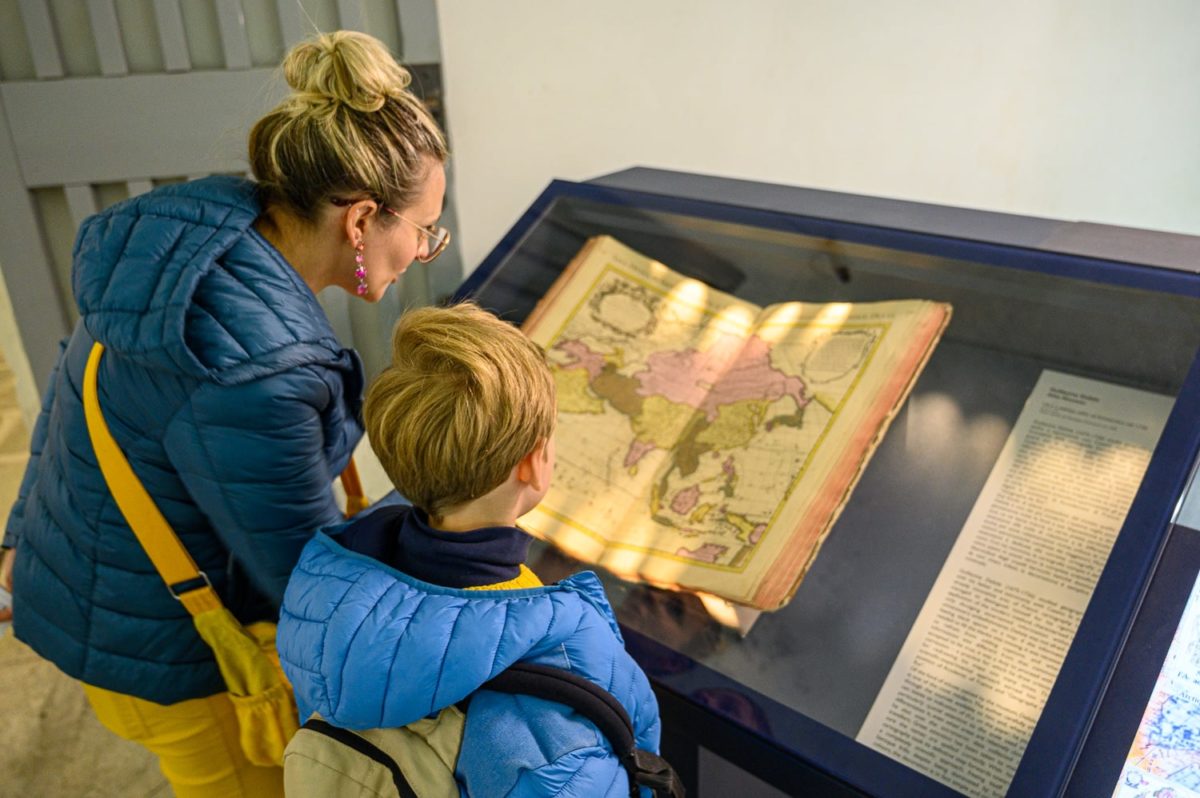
(162, 279)
(367, 646)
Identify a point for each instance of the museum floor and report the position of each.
(50, 742)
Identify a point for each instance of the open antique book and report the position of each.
(705, 443)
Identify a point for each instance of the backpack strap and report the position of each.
(366, 748)
(644, 768)
(599, 706)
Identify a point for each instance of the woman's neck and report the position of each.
(301, 245)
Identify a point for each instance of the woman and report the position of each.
(224, 385)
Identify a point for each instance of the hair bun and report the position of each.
(346, 68)
(350, 126)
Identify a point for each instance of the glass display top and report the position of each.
(1031, 332)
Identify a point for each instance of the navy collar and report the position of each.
(402, 537)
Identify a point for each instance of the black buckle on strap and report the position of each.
(188, 585)
(651, 770)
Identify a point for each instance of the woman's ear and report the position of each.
(358, 218)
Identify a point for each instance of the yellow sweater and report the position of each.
(526, 578)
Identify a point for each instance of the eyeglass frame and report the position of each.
(438, 235)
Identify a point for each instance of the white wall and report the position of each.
(1072, 109)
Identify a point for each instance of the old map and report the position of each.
(690, 420)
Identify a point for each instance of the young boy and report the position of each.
(405, 611)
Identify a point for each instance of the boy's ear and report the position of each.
(534, 468)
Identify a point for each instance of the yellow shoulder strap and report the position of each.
(161, 543)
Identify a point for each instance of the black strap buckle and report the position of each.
(651, 770)
(188, 585)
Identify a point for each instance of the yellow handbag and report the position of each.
(261, 695)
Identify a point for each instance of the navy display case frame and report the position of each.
(1086, 720)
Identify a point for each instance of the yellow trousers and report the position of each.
(196, 742)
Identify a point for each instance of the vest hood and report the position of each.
(177, 279)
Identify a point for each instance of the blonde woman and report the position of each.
(224, 385)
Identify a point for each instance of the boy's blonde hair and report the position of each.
(466, 397)
(350, 127)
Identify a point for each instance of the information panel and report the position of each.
(962, 698)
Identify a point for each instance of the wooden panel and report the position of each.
(16, 59)
(233, 34)
(82, 203)
(135, 187)
(144, 126)
(292, 22)
(43, 41)
(350, 15)
(171, 36)
(106, 32)
(27, 268)
(58, 233)
(419, 31)
(109, 194)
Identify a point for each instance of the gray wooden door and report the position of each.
(104, 99)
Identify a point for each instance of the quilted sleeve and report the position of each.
(619, 674)
(253, 458)
(525, 747)
(12, 531)
(647, 724)
(592, 772)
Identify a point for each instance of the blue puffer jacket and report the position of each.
(367, 646)
(224, 385)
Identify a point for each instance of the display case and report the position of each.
(1072, 347)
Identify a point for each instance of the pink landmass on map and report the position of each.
(757, 533)
(685, 500)
(727, 467)
(704, 379)
(581, 356)
(753, 377)
(685, 376)
(709, 552)
(637, 450)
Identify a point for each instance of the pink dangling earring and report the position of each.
(360, 271)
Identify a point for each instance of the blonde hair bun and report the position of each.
(347, 68)
(350, 127)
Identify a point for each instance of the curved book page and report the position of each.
(705, 443)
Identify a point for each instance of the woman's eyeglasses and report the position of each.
(438, 237)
